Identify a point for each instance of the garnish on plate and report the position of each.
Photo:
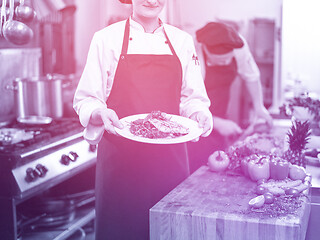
(157, 124)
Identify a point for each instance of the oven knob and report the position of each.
(31, 175)
(65, 159)
(73, 156)
(41, 170)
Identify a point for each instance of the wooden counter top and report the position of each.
(210, 205)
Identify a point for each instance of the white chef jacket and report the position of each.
(246, 66)
(97, 78)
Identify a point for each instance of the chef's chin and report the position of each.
(151, 12)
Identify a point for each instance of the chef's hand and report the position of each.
(204, 122)
(226, 127)
(106, 117)
(262, 113)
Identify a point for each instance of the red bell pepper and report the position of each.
(279, 168)
(218, 161)
(244, 166)
(259, 167)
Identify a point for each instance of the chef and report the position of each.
(137, 66)
(226, 55)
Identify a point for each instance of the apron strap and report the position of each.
(125, 42)
(170, 45)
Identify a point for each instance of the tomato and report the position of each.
(268, 197)
(218, 161)
(293, 192)
(261, 190)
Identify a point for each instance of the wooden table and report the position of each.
(213, 206)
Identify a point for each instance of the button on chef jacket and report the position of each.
(97, 78)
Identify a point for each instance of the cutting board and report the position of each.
(210, 205)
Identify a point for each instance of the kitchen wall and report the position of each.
(301, 48)
(92, 16)
(88, 18)
(195, 14)
(297, 57)
(187, 14)
(191, 15)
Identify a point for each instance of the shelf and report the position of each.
(84, 216)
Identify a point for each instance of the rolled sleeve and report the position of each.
(247, 67)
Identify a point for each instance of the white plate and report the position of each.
(194, 130)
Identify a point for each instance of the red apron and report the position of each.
(131, 177)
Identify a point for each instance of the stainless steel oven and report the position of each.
(35, 159)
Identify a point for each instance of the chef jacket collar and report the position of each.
(139, 27)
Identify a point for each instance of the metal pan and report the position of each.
(35, 120)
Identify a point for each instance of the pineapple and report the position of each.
(298, 137)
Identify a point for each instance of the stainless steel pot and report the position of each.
(39, 96)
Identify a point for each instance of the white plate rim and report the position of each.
(195, 130)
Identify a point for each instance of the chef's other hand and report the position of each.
(204, 122)
(226, 127)
(262, 113)
(106, 117)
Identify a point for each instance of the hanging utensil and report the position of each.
(24, 13)
(45, 8)
(14, 31)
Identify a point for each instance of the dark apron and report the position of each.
(218, 80)
(131, 177)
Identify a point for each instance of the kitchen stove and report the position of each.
(34, 158)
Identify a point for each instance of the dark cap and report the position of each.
(219, 38)
(126, 1)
